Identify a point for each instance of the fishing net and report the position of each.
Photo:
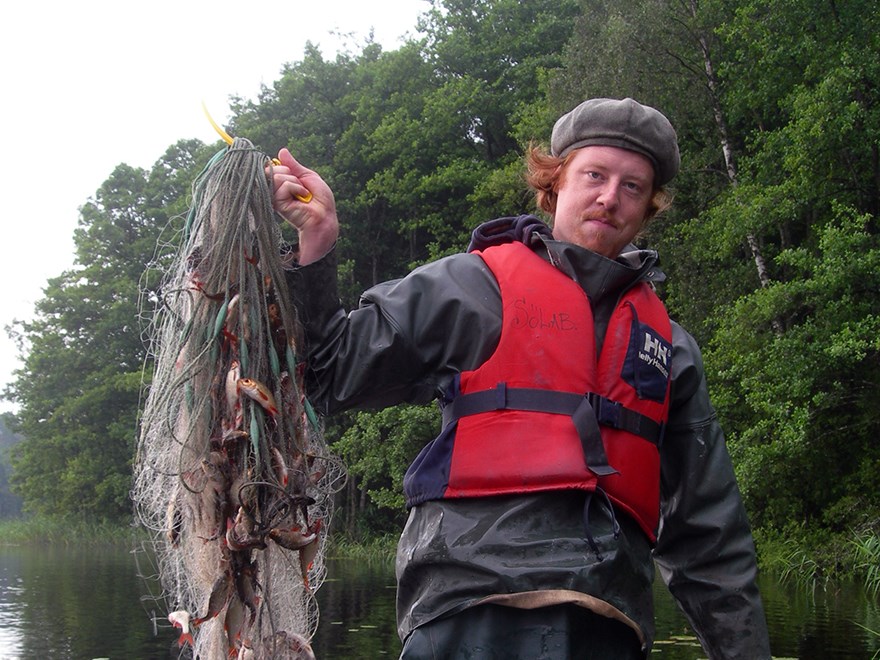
(232, 478)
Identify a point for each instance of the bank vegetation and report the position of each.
(772, 248)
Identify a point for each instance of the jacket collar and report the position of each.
(598, 275)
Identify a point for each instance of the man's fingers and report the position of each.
(288, 161)
(292, 166)
(291, 190)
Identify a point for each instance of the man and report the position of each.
(579, 444)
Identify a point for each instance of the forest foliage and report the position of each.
(771, 248)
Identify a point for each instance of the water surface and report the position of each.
(64, 602)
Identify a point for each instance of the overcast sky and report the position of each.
(89, 85)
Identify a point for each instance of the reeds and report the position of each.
(866, 547)
(811, 562)
(63, 531)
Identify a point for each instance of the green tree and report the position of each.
(667, 54)
(334, 116)
(800, 406)
(491, 58)
(377, 448)
(771, 246)
(799, 398)
(797, 83)
(434, 143)
(776, 108)
(10, 505)
(78, 391)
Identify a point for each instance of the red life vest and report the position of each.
(543, 412)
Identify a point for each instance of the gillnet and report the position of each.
(232, 478)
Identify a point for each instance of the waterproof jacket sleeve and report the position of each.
(704, 550)
(405, 341)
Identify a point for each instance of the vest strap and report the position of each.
(587, 425)
(587, 411)
(614, 414)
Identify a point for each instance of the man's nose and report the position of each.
(609, 196)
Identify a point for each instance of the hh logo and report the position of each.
(648, 362)
(656, 351)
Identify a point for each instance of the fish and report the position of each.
(239, 492)
(200, 287)
(290, 641)
(240, 533)
(231, 389)
(302, 646)
(277, 326)
(308, 553)
(289, 393)
(231, 319)
(316, 475)
(231, 438)
(280, 466)
(259, 393)
(216, 467)
(298, 473)
(293, 538)
(246, 586)
(233, 624)
(274, 313)
(220, 593)
(180, 619)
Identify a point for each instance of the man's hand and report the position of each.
(316, 219)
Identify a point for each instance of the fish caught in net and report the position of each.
(232, 478)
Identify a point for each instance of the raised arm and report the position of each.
(315, 220)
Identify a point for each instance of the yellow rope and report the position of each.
(228, 139)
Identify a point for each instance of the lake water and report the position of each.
(83, 603)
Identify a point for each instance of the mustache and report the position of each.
(598, 215)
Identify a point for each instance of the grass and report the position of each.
(866, 547)
(811, 561)
(62, 531)
(377, 550)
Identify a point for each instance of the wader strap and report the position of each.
(615, 526)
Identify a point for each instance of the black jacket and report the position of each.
(405, 343)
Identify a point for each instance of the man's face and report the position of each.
(603, 198)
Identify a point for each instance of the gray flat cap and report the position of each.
(620, 123)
